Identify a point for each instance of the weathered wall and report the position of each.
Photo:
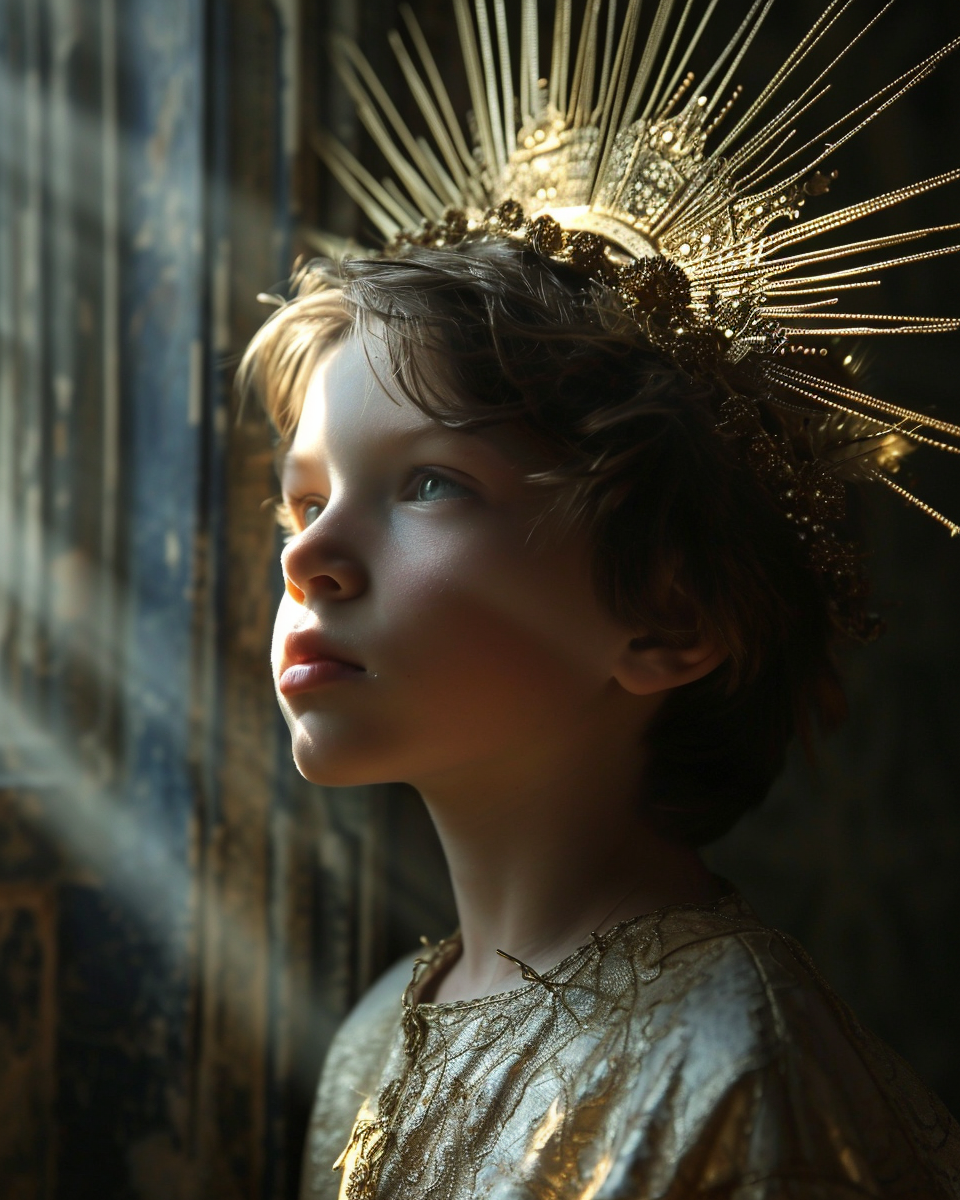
(182, 921)
(101, 295)
(181, 924)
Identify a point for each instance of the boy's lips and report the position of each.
(310, 660)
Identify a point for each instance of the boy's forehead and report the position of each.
(351, 409)
(351, 402)
(347, 402)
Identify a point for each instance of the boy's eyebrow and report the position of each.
(287, 459)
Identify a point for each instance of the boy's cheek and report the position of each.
(283, 622)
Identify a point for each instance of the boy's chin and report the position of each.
(325, 775)
(333, 766)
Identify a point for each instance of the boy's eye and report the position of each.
(309, 512)
(433, 486)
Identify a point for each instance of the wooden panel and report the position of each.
(28, 967)
(101, 306)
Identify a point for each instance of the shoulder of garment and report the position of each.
(758, 1083)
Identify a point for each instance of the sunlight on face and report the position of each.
(433, 622)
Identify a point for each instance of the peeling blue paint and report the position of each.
(162, 291)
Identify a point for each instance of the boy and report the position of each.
(527, 576)
(566, 556)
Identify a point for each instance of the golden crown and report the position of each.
(623, 165)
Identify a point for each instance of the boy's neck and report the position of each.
(547, 848)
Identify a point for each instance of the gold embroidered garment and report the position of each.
(691, 1051)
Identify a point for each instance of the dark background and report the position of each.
(182, 921)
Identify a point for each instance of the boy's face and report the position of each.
(434, 623)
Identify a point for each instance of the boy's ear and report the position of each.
(647, 665)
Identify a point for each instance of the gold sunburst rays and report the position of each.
(802, 284)
(766, 274)
(455, 175)
(623, 154)
(687, 199)
(829, 393)
(851, 327)
(873, 106)
(859, 447)
(799, 105)
(833, 11)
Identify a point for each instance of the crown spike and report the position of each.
(794, 262)
(691, 47)
(916, 501)
(476, 82)
(793, 378)
(428, 203)
(922, 71)
(922, 440)
(579, 65)
(788, 310)
(494, 119)
(648, 59)
(584, 71)
(763, 273)
(435, 123)
(337, 158)
(844, 216)
(607, 61)
(678, 94)
(769, 133)
(747, 180)
(846, 272)
(451, 192)
(834, 406)
(776, 289)
(800, 104)
(723, 113)
(361, 186)
(608, 125)
(822, 402)
(904, 324)
(413, 216)
(945, 326)
(506, 76)
(529, 61)
(560, 59)
(730, 48)
(657, 90)
(361, 80)
(589, 78)
(439, 87)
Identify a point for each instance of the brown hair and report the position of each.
(687, 542)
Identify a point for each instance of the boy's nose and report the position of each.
(316, 568)
(293, 591)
